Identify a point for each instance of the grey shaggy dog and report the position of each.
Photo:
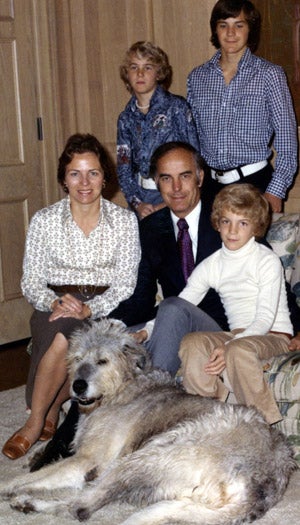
(140, 439)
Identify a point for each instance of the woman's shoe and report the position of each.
(48, 430)
(16, 446)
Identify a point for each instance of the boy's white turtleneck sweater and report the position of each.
(251, 285)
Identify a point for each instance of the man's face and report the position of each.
(178, 181)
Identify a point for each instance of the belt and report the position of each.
(87, 290)
(147, 184)
(226, 177)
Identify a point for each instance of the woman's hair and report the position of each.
(156, 55)
(243, 199)
(231, 9)
(84, 143)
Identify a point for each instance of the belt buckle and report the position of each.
(219, 173)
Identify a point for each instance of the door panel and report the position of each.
(21, 183)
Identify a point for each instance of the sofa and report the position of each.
(283, 372)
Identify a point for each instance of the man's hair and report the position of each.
(243, 199)
(84, 143)
(145, 49)
(231, 9)
(165, 148)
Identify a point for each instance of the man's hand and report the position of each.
(275, 202)
(216, 363)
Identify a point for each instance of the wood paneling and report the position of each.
(60, 61)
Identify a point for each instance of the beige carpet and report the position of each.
(12, 416)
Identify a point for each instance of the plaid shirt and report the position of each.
(169, 118)
(236, 122)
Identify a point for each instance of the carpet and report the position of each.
(12, 417)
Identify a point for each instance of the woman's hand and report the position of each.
(69, 306)
(216, 363)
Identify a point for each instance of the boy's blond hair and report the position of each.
(145, 49)
(246, 200)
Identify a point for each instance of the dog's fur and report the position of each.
(145, 441)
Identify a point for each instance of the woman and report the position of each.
(152, 117)
(81, 260)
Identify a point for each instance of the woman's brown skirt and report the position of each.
(43, 333)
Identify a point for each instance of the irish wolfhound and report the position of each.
(181, 457)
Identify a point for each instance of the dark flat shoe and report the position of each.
(16, 446)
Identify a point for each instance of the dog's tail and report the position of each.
(186, 512)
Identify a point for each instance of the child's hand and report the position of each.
(144, 209)
(295, 343)
(216, 363)
(140, 336)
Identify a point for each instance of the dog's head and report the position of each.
(101, 359)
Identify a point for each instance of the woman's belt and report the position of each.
(87, 290)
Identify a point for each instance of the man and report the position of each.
(178, 171)
(240, 102)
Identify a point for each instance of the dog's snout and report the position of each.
(80, 386)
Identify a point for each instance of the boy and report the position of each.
(240, 102)
(152, 117)
(249, 279)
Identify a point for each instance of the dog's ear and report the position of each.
(138, 356)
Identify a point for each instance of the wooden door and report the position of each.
(21, 180)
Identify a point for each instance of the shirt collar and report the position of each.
(192, 219)
(157, 99)
(68, 217)
(241, 252)
(245, 61)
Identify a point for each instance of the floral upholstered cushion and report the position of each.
(283, 376)
(284, 236)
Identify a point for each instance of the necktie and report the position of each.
(185, 248)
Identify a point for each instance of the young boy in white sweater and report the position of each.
(249, 279)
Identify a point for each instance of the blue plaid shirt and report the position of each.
(236, 122)
(169, 118)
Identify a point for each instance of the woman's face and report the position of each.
(84, 178)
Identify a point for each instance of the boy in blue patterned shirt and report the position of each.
(152, 117)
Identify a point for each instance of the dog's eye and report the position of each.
(102, 362)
